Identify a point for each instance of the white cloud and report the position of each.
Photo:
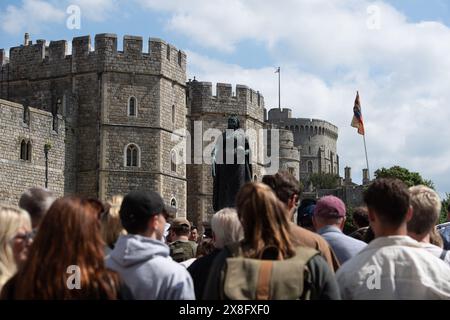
(30, 16)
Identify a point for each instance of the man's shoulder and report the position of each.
(166, 266)
(308, 238)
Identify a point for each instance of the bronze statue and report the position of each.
(231, 167)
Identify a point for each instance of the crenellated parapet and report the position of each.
(240, 100)
(42, 60)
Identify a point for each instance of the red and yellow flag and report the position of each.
(357, 121)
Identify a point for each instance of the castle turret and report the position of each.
(348, 176)
(365, 174)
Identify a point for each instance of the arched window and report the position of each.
(173, 203)
(132, 156)
(173, 161)
(297, 129)
(315, 130)
(302, 129)
(132, 107)
(310, 167)
(23, 150)
(173, 113)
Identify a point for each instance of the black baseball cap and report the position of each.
(138, 207)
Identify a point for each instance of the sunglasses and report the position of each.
(27, 236)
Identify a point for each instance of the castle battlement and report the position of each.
(242, 93)
(35, 60)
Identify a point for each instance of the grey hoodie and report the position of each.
(147, 269)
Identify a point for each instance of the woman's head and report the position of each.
(15, 228)
(111, 227)
(264, 220)
(69, 236)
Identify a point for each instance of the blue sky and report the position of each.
(397, 56)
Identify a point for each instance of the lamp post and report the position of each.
(46, 150)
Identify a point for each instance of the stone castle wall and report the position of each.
(17, 175)
(91, 88)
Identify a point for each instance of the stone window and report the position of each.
(168, 52)
(26, 115)
(25, 150)
(291, 170)
(296, 129)
(173, 203)
(132, 107)
(173, 161)
(310, 167)
(173, 113)
(55, 123)
(179, 58)
(132, 156)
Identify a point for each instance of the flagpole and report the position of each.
(367, 159)
(279, 88)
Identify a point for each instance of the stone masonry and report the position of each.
(114, 120)
(16, 174)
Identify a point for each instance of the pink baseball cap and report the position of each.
(330, 207)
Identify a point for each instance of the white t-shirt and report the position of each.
(437, 252)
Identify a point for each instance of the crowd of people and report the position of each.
(135, 247)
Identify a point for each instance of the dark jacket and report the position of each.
(199, 271)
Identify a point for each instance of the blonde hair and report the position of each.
(426, 206)
(111, 227)
(11, 220)
(226, 227)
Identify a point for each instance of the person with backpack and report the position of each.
(266, 265)
(181, 248)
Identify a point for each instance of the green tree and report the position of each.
(324, 180)
(403, 174)
(445, 203)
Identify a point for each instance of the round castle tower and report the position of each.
(316, 139)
